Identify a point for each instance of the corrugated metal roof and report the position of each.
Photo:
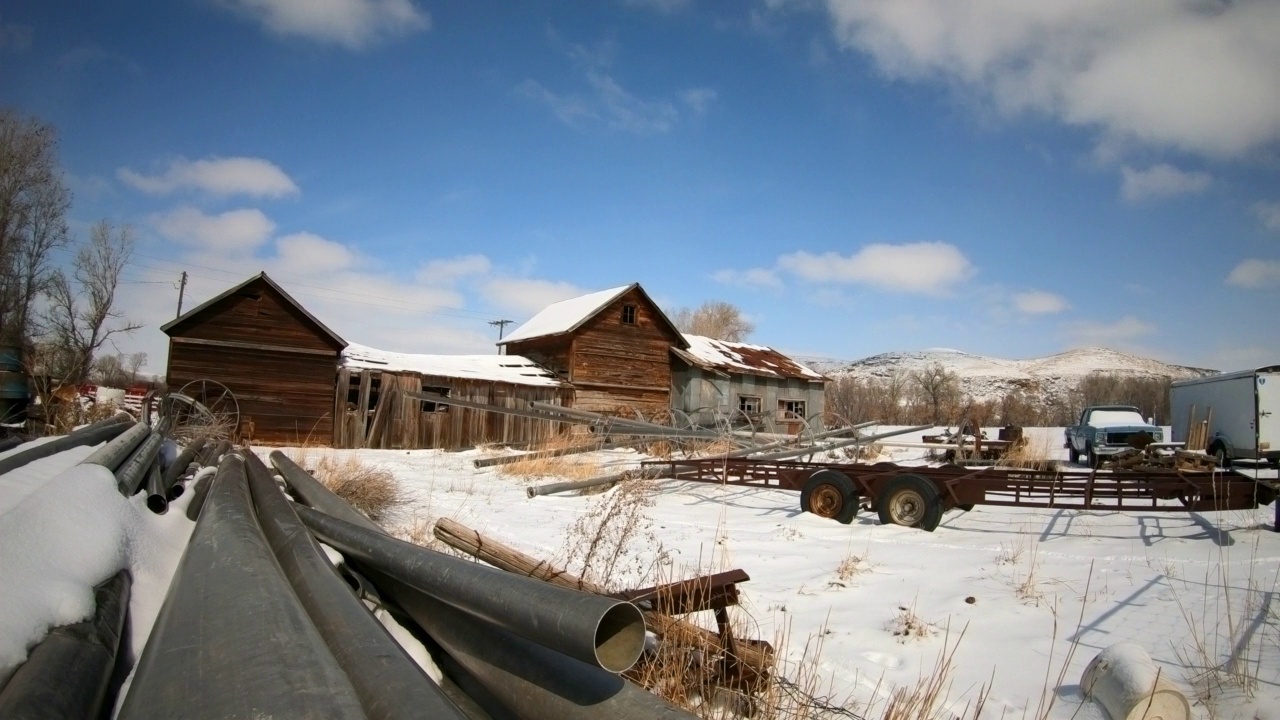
(743, 359)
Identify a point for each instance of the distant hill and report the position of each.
(988, 378)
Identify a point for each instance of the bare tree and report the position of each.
(33, 205)
(938, 388)
(715, 319)
(118, 370)
(82, 314)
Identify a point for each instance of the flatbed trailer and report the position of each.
(918, 496)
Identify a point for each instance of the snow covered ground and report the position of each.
(1026, 597)
(1049, 588)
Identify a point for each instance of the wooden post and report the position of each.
(340, 408)
(362, 408)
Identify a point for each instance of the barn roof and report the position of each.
(742, 359)
(512, 369)
(186, 318)
(569, 315)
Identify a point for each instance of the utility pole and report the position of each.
(182, 289)
(502, 325)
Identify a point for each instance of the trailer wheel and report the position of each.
(910, 501)
(830, 494)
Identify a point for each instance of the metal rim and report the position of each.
(826, 501)
(906, 507)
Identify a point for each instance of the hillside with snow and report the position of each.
(989, 378)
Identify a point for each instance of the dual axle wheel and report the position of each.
(909, 500)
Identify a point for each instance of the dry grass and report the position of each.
(907, 626)
(568, 467)
(1029, 455)
(372, 490)
(601, 546)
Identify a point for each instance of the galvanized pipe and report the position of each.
(178, 467)
(157, 491)
(841, 444)
(114, 454)
(68, 674)
(131, 475)
(200, 492)
(85, 436)
(388, 682)
(314, 494)
(533, 682)
(232, 640)
(606, 632)
(553, 488)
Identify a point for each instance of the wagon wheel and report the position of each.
(726, 424)
(910, 501)
(202, 408)
(830, 494)
(668, 417)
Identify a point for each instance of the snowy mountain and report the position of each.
(988, 378)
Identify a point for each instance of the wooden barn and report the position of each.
(714, 378)
(374, 418)
(613, 346)
(276, 358)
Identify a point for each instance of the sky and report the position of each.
(1005, 178)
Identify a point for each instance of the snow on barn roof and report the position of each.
(741, 358)
(512, 369)
(566, 315)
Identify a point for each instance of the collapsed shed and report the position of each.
(715, 378)
(375, 418)
(613, 347)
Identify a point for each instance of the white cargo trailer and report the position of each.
(1246, 413)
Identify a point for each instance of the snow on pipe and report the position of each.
(85, 436)
(1124, 681)
(231, 639)
(68, 674)
(388, 682)
(602, 631)
(114, 454)
(133, 472)
(530, 680)
(315, 495)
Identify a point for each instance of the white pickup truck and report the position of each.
(1106, 430)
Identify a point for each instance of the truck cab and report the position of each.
(1106, 430)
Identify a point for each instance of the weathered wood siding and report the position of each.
(615, 366)
(279, 366)
(395, 421)
(703, 395)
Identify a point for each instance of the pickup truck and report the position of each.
(1105, 430)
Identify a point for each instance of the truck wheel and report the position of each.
(830, 494)
(910, 501)
(1073, 454)
(1094, 458)
(1219, 452)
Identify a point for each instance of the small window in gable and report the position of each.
(629, 314)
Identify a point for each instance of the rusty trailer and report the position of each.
(918, 496)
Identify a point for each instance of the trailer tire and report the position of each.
(911, 501)
(830, 494)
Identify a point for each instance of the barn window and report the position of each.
(749, 405)
(790, 409)
(629, 314)
(431, 406)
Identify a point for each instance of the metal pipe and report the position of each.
(591, 628)
(553, 488)
(842, 443)
(533, 682)
(314, 494)
(133, 472)
(112, 455)
(820, 436)
(213, 453)
(231, 639)
(388, 682)
(10, 443)
(157, 491)
(86, 436)
(200, 493)
(488, 407)
(180, 463)
(68, 674)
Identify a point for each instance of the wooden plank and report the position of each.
(623, 386)
(386, 398)
(255, 346)
(341, 389)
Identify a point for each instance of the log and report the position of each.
(674, 630)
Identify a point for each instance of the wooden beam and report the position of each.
(619, 386)
(254, 346)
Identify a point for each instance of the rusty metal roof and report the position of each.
(742, 359)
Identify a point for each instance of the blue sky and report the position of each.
(1006, 178)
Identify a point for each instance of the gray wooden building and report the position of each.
(717, 379)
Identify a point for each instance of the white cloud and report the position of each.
(309, 254)
(1268, 213)
(662, 6)
(234, 231)
(924, 268)
(353, 24)
(1119, 332)
(449, 270)
(754, 277)
(1254, 273)
(1038, 302)
(1160, 181)
(526, 295)
(698, 99)
(1198, 76)
(218, 176)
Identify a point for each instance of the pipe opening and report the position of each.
(620, 637)
(157, 504)
(175, 491)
